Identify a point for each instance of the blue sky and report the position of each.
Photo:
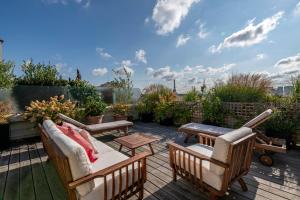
(158, 40)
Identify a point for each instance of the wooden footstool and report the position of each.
(136, 140)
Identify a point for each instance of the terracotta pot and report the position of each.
(120, 117)
(94, 119)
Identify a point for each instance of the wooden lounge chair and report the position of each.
(215, 168)
(263, 143)
(99, 128)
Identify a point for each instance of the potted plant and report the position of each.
(5, 110)
(94, 109)
(120, 111)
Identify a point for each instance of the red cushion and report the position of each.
(74, 135)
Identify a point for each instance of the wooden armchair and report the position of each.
(214, 168)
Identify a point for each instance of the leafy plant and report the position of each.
(296, 87)
(41, 110)
(164, 111)
(192, 96)
(243, 88)
(5, 110)
(94, 106)
(182, 114)
(6, 74)
(123, 86)
(81, 90)
(39, 74)
(212, 110)
(120, 109)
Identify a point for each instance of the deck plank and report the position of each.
(39, 180)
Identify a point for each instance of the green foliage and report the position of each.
(94, 106)
(212, 110)
(81, 90)
(282, 124)
(40, 74)
(243, 88)
(192, 96)
(296, 87)
(164, 110)
(182, 114)
(6, 74)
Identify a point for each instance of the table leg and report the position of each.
(133, 152)
(151, 148)
(120, 147)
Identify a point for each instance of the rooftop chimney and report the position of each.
(1, 43)
(174, 88)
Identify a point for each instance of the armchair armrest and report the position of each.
(174, 147)
(111, 169)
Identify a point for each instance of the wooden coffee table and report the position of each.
(136, 140)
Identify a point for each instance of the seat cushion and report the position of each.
(103, 162)
(222, 145)
(80, 165)
(108, 126)
(208, 176)
(203, 128)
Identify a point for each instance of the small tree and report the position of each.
(6, 74)
(123, 84)
(296, 87)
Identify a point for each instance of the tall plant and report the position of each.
(123, 85)
(296, 87)
(6, 74)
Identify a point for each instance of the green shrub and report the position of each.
(182, 114)
(6, 74)
(94, 106)
(164, 111)
(40, 74)
(244, 88)
(212, 110)
(296, 87)
(192, 95)
(81, 90)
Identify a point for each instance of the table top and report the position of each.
(136, 140)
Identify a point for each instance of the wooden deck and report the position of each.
(25, 173)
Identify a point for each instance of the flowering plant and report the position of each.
(42, 110)
(120, 109)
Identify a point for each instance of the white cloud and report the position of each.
(202, 32)
(260, 56)
(147, 20)
(224, 68)
(288, 64)
(149, 70)
(297, 9)
(126, 63)
(121, 70)
(192, 80)
(99, 71)
(140, 55)
(187, 69)
(250, 35)
(182, 40)
(103, 54)
(168, 14)
(59, 66)
(164, 73)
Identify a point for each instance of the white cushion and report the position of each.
(259, 118)
(80, 165)
(70, 120)
(222, 145)
(108, 125)
(208, 176)
(105, 160)
(203, 128)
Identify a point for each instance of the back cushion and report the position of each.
(222, 145)
(254, 122)
(78, 159)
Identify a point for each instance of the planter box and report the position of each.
(4, 136)
(21, 129)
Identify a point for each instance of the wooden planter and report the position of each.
(167, 122)
(94, 119)
(120, 117)
(146, 117)
(4, 136)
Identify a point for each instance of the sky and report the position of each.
(192, 41)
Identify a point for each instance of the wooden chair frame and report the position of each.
(62, 166)
(238, 164)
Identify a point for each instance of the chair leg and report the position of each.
(243, 185)
(213, 196)
(141, 193)
(174, 176)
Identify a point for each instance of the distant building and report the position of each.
(283, 90)
(1, 46)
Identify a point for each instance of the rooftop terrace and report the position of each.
(25, 172)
